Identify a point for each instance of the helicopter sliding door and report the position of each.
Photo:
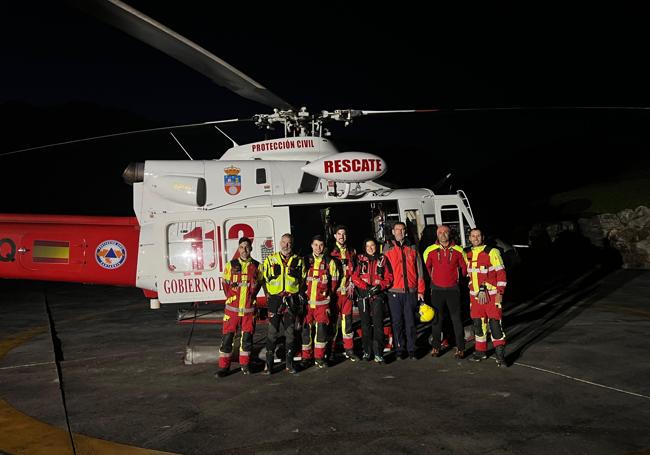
(191, 270)
(194, 251)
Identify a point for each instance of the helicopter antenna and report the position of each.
(181, 145)
(234, 144)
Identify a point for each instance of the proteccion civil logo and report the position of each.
(110, 254)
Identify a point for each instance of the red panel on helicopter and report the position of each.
(101, 250)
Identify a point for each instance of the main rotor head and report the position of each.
(302, 123)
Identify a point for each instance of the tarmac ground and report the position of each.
(90, 369)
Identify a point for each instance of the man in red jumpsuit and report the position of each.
(487, 283)
(342, 304)
(443, 260)
(242, 279)
(322, 282)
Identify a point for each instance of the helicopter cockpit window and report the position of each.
(191, 246)
(308, 183)
(260, 176)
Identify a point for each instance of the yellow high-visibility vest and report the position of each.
(292, 273)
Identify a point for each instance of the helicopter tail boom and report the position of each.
(81, 249)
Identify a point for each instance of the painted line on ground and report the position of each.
(573, 378)
(26, 365)
(622, 309)
(20, 433)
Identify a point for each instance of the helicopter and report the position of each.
(190, 214)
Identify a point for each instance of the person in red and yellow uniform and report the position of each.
(487, 283)
(372, 276)
(342, 302)
(242, 279)
(322, 282)
(443, 260)
(408, 287)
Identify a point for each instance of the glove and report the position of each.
(374, 290)
(277, 270)
(294, 272)
(482, 296)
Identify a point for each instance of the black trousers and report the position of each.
(372, 313)
(290, 321)
(449, 298)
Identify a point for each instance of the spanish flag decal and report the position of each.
(52, 252)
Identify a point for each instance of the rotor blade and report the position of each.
(511, 108)
(547, 108)
(147, 30)
(346, 115)
(126, 133)
(356, 113)
(400, 111)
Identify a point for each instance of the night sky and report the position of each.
(66, 75)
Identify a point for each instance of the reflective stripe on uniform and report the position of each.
(239, 310)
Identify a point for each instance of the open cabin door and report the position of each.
(457, 217)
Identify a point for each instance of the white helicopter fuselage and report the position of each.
(192, 213)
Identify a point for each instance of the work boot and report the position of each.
(500, 355)
(222, 373)
(459, 354)
(478, 356)
(435, 352)
(245, 369)
(269, 364)
(289, 363)
(367, 357)
(349, 354)
(380, 359)
(320, 363)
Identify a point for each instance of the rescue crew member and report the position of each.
(284, 276)
(372, 277)
(443, 260)
(407, 288)
(487, 282)
(342, 304)
(322, 282)
(242, 279)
